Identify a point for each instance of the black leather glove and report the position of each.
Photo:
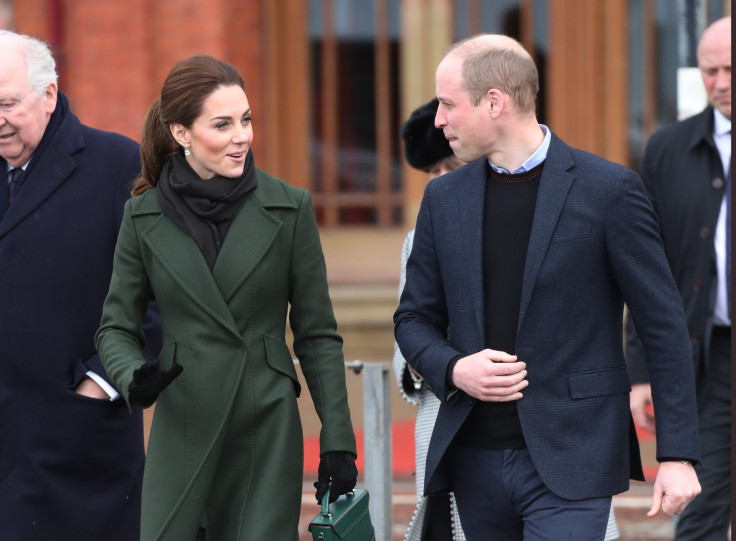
(338, 468)
(149, 381)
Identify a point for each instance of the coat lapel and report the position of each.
(181, 257)
(553, 189)
(54, 167)
(247, 241)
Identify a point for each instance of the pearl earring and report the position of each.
(187, 152)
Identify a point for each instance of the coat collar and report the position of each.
(702, 129)
(250, 235)
(54, 166)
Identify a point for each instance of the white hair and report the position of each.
(40, 63)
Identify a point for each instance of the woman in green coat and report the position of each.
(228, 252)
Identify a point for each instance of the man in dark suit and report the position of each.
(71, 454)
(687, 175)
(527, 255)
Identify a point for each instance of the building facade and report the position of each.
(331, 80)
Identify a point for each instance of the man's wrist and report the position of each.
(448, 375)
(685, 461)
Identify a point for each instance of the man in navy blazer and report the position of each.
(512, 313)
(71, 457)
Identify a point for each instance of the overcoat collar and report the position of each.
(53, 168)
(554, 185)
(250, 235)
(702, 131)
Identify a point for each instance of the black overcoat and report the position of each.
(684, 178)
(70, 466)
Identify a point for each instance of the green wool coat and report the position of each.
(226, 435)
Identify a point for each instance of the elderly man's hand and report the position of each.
(674, 488)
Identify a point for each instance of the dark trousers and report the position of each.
(708, 516)
(500, 495)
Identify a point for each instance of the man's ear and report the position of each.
(495, 101)
(180, 133)
(49, 97)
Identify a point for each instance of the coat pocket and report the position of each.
(599, 383)
(279, 358)
(167, 355)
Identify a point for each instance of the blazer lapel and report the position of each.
(246, 243)
(472, 221)
(553, 189)
(181, 257)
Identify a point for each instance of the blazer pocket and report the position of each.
(599, 383)
(578, 233)
(279, 358)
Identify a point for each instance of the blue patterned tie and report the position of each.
(16, 179)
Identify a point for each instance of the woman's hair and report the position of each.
(452, 162)
(40, 62)
(189, 83)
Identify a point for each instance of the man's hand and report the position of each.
(675, 486)
(640, 400)
(89, 387)
(491, 376)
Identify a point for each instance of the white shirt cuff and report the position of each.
(112, 393)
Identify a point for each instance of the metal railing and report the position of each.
(377, 443)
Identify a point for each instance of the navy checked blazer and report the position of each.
(594, 246)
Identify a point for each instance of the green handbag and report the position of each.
(346, 519)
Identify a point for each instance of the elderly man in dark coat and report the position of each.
(71, 454)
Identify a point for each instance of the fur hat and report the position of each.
(424, 145)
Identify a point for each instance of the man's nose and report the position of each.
(439, 118)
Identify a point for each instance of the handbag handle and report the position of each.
(326, 503)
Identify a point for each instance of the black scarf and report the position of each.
(204, 209)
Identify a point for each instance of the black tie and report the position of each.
(16, 180)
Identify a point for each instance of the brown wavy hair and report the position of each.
(189, 83)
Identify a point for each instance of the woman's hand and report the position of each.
(149, 381)
(337, 472)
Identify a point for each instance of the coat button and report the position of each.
(697, 285)
(717, 183)
(704, 232)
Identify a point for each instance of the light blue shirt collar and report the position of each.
(532, 161)
(9, 168)
(722, 125)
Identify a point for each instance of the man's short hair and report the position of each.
(505, 68)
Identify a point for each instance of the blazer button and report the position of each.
(697, 285)
(717, 183)
(704, 232)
